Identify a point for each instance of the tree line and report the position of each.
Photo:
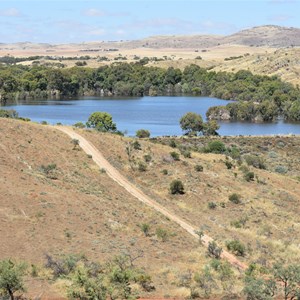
(258, 98)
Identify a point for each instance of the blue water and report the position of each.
(160, 115)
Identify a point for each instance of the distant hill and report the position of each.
(268, 35)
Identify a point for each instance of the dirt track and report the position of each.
(114, 174)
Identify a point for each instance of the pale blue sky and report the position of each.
(66, 21)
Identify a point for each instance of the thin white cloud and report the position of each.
(97, 32)
(93, 12)
(10, 12)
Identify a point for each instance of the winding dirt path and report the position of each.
(114, 174)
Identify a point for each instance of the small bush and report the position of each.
(235, 198)
(145, 227)
(172, 144)
(175, 155)
(165, 171)
(44, 122)
(249, 176)
(228, 164)
(215, 147)
(142, 167)
(79, 125)
(255, 161)
(147, 157)
(176, 187)
(143, 133)
(136, 145)
(212, 205)
(48, 169)
(187, 154)
(214, 250)
(162, 234)
(281, 169)
(236, 247)
(199, 168)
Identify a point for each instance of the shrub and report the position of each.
(212, 205)
(145, 227)
(172, 144)
(236, 247)
(79, 125)
(165, 171)
(187, 153)
(228, 164)
(255, 161)
(175, 155)
(235, 198)
(143, 133)
(162, 234)
(147, 157)
(136, 145)
(176, 187)
(281, 169)
(142, 167)
(199, 168)
(215, 147)
(249, 176)
(44, 122)
(8, 114)
(48, 169)
(214, 250)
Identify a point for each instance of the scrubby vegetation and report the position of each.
(259, 97)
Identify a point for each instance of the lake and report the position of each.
(160, 115)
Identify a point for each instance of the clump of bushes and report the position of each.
(212, 205)
(142, 133)
(217, 147)
(142, 167)
(214, 250)
(198, 168)
(235, 198)
(249, 176)
(176, 187)
(175, 155)
(79, 125)
(236, 247)
(255, 161)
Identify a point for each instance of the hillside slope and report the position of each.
(75, 208)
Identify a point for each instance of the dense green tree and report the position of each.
(11, 278)
(191, 123)
(143, 133)
(101, 121)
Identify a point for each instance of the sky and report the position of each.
(76, 21)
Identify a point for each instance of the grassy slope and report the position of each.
(82, 211)
(271, 209)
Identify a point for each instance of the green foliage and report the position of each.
(12, 114)
(142, 167)
(235, 198)
(258, 98)
(165, 171)
(162, 234)
(259, 288)
(172, 144)
(191, 123)
(145, 227)
(281, 169)
(11, 277)
(147, 158)
(176, 187)
(217, 147)
(236, 247)
(210, 128)
(101, 121)
(249, 176)
(228, 164)
(79, 125)
(214, 250)
(199, 168)
(175, 155)
(255, 161)
(205, 281)
(136, 145)
(212, 205)
(143, 133)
